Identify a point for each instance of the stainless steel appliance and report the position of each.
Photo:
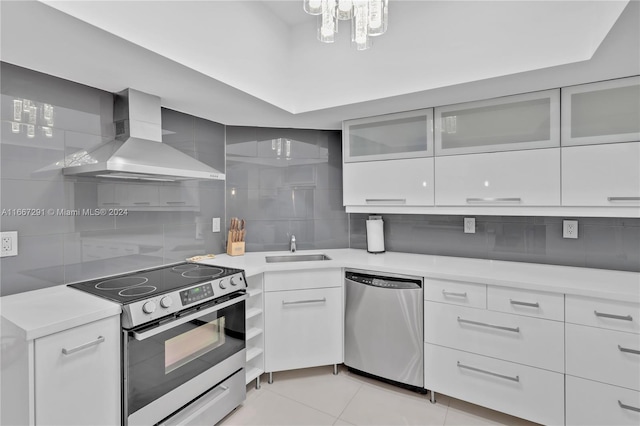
(383, 327)
(138, 151)
(183, 342)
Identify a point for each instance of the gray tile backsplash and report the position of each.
(56, 249)
(282, 181)
(287, 182)
(607, 243)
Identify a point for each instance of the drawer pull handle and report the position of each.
(99, 340)
(142, 203)
(110, 204)
(386, 201)
(176, 202)
(494, 200)
(298, 302)
(530, 304)
(628, 407)
(620, 317)
(484, 324)
(631, 351)
(614, 199)
(491, 373)
(453, 294)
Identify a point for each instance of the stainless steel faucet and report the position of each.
(293, 243)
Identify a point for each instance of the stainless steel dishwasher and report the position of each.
(384, 327)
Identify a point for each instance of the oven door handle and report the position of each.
(166, 326)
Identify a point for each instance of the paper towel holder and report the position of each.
(375, 234)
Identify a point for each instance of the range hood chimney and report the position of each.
(138, 151)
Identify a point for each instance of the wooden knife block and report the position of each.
(234, 249)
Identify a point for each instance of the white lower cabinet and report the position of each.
(603, 313)
(603, 361)
(508, 361)
(519, 390)
(303, 319)
(531, 341)
(530, 303)
(603, 355)
(456, 293)
(514, 178)
(303, 328)
(77, 375)
(598, 404)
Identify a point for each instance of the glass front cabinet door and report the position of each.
(388, 137)
(602, 112)
(527, 121)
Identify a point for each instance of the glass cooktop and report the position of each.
(131, 287)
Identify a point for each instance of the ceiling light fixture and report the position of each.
(368, 19)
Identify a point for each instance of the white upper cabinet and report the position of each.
(603, 112)
(402, 135)
(601, 175)
(516, 178)
(527, 121)
(405, 182)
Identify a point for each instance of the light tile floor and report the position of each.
(314, 396)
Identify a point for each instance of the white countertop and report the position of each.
(43, 312)
(616, 285)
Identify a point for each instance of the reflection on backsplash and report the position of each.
(287, 182)
(606, 243)
(97, 227)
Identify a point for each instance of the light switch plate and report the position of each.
(569, 229)
(469, 225)
(215, 224)
(9, 241)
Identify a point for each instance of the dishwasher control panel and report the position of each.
(395, 282)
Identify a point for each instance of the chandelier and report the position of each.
(368, 19)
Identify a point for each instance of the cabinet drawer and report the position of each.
(407, 182)
(530, 393)
(516, 178)
(597, 404)
(530, 303)
(601, 175)
(530, 341)
(303, 328)
(603, 313)
(604, 355)
(456, 293)
(299, 280)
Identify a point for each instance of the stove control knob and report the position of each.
(222, 284)
(236, 280)
(149, 307)
(166, 301)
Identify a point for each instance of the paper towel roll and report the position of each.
(375, 236)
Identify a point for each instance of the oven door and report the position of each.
(172, 361)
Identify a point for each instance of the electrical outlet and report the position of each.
(569, 229)
(469, 225)
(9, 243)
(215, 224)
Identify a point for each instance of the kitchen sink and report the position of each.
(296, 258)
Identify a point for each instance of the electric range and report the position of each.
(183, 342)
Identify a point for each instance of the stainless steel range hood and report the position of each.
(138, 151)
